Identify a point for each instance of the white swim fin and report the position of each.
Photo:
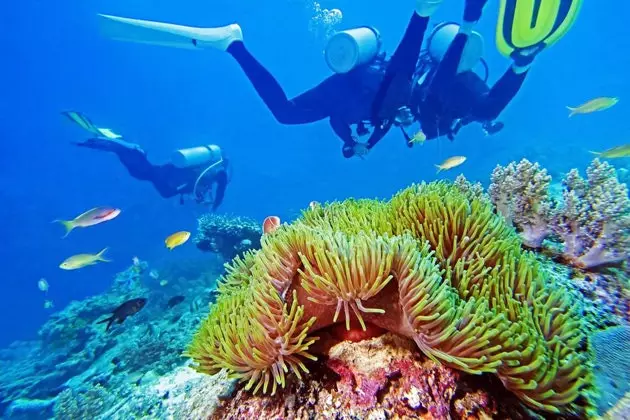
(168, 34)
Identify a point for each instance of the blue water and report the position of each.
(53, 59)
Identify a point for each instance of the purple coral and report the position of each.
(593, 220)
(520, 193)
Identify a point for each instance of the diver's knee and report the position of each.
(285, 116)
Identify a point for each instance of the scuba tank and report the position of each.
(209, 156)
(351, 48)
(196, 156)
(440, 39)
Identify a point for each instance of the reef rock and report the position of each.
(379, 378)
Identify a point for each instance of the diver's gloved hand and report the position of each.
(347, 150)
(354, 149)
(473, 10)
(426, 8)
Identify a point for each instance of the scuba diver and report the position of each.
(437, 87)
(199, 172)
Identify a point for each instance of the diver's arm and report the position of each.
(222, 181)
(402, 65)
(500, 95)
(378, 134)
(344, 132)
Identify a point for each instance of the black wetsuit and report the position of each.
(448, 96)
(374, 93)
(168, 179)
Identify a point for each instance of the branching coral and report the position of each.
(592, 220)
(519, 191)
(228, 236)
(434, 264)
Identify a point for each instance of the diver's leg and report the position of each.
(167, 179)
(108, 145)
(164, 178)
(402, 65)
(129, 154)
(447, 69)
(307, 108)
(222, 181)
(500, 95)
(136, 163)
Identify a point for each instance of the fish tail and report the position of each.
(68, 224)
(573, 111)
(101, 255)
(439, 169)
(109, 321)
(595, 153)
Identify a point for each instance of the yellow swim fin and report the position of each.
(82, 121)
(528, 23)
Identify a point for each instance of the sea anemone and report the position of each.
(434, 264)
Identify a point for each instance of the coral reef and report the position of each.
(434, 264)
(227, 236)
(591, 220)
(130, 279)
(608, 294)
(519, 191)
(76, 370)
(611, 348)
(29, 409)
(422, 306)
(621, 411)
(383, 377)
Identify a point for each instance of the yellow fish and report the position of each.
(615, 152)
(419, 137)
(450, 163)
(81, 260)
(177, 239)
(597, 104)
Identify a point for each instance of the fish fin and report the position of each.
(439, 169)
(101, 256)
(68, 224)
(573, 111)
(595, 153)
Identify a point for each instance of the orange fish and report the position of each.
(270, 224)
